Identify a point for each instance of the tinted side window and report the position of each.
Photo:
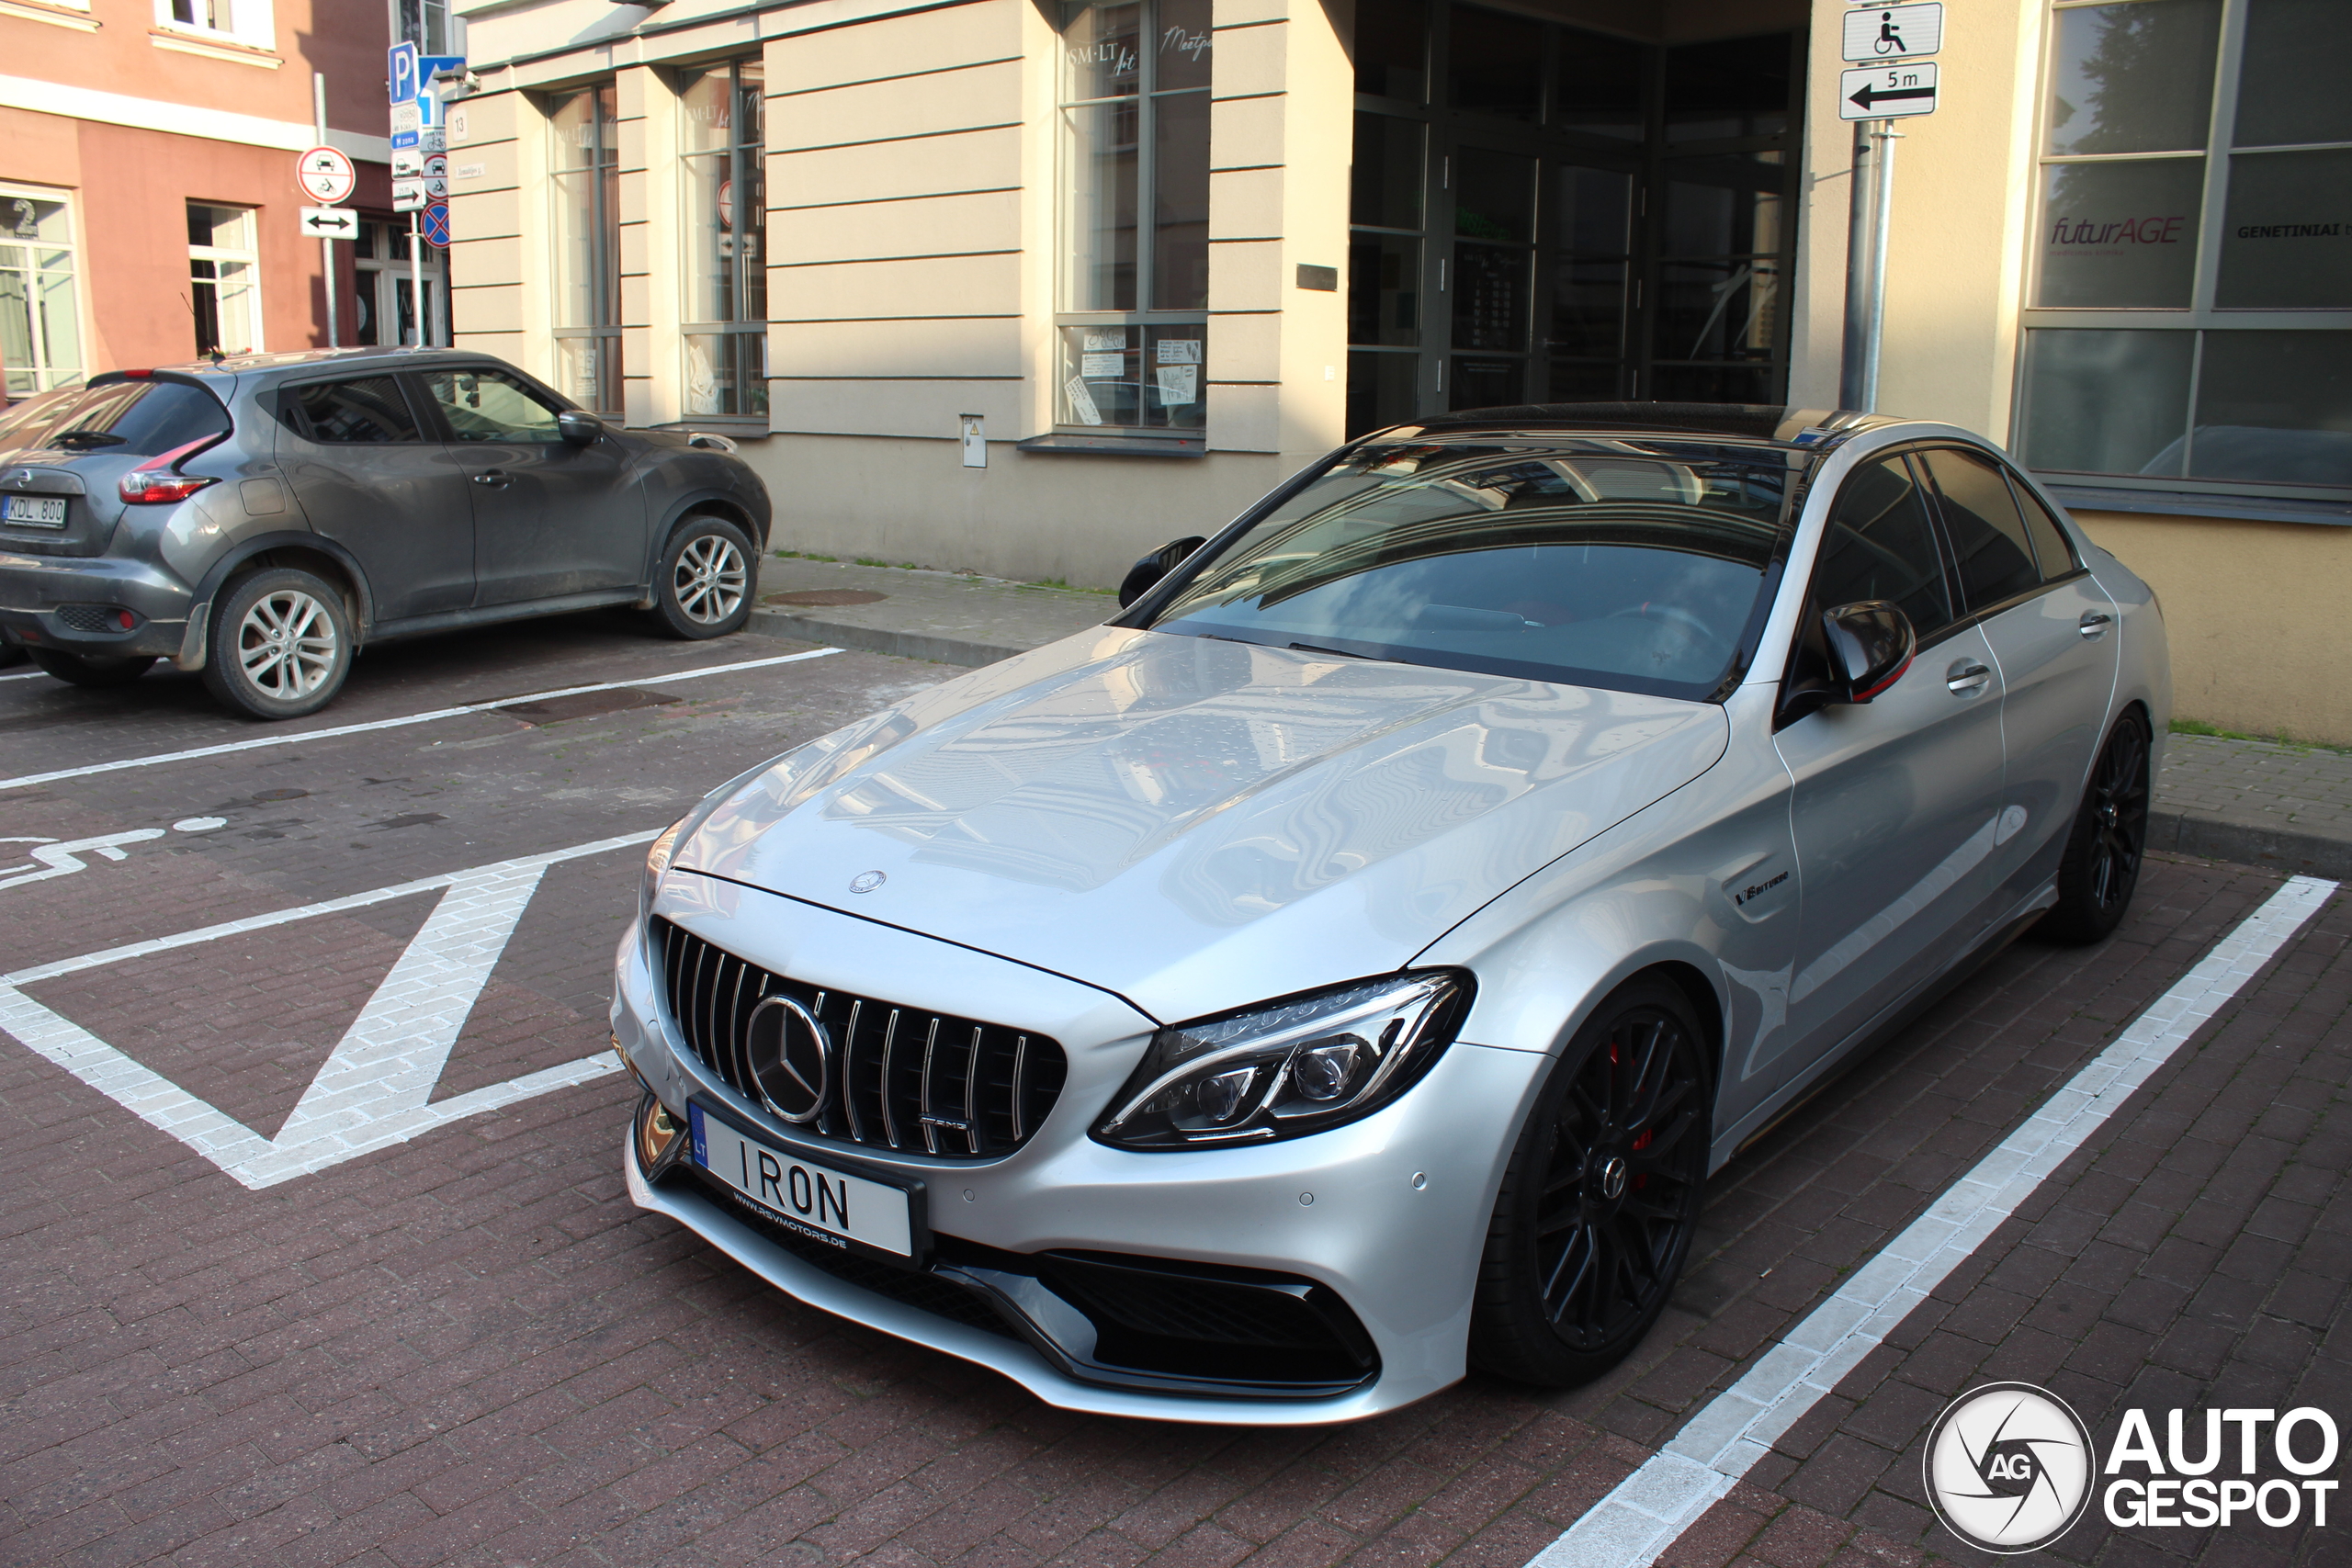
(483, 405)
(1987, 534)
(147, 418)
(367, 411)
(1881, 547)
(2052, 549)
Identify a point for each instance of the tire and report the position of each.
(91, 668)
(704, 586)
(2107, 844)
(280, 645)
(1602, 1196)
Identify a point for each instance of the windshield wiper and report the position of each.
(1339, 653)
(86, 438)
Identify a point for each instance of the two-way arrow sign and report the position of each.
(1887, 92)
(330, 222)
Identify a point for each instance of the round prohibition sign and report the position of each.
(325, 175)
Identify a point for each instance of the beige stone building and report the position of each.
(1028, 286)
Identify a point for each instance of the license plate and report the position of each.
(819, 1201)
(39, 510)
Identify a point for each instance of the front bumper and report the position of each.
(62, 601)
(1389, 1214)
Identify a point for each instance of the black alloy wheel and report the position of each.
(2107, 844)
(91, 668)
(1602, 1197)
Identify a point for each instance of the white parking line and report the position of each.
(376, 1088)
(662, 677)
(1649, 1509)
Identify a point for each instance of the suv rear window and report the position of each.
(148, 417)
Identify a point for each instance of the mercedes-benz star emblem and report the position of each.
(791, 1059)
(1612, 1179)
(866, 881)
(2009, 1467)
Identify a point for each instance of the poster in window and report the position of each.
(1102, 366)
(1179, 351)
(1081, 402)
(1178, 383)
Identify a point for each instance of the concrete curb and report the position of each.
(2250, 843)
(878, 640)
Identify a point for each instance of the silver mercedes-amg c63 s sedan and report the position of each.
(1348, 964)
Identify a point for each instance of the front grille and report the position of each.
(903, 1078)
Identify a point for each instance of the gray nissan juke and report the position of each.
(261, 518)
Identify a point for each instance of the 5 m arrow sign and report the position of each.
(1887, 92)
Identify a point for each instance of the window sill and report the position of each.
(2195, 504)
(1117, 446)
(75, 17)
(214, 48)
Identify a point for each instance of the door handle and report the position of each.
(2094, 625)
(497, 479)
(1967, 678)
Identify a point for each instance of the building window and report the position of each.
(428, 25)
(1135, 290)
(726, 308)
(247, 22)
(41, 322)
(2190, 316)
(224, 278)
(588, 250)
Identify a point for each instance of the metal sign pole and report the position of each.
(416, 274)
(1858, 351)
(1882, 225)
(326, 245)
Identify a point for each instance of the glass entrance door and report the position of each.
(1542, 214)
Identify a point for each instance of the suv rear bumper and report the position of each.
(74, 603)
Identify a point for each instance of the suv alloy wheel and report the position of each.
(280, 645)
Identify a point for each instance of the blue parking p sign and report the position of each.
(401, 73)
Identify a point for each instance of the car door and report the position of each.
(2053, 632)
(375, 479)
(550, 519)
(1894, 803)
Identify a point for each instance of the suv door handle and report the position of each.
(2094, 625)
(1967, 678)
(497, 479)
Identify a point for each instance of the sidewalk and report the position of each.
(2282, 807)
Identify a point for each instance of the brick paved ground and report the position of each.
(470, 1349)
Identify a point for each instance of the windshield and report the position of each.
(148, 418)
(1632, 564)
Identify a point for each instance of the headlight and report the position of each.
(657, 861)
(1288, 1068)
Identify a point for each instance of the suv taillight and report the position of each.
(156, 481)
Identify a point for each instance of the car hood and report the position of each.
(1198, 824)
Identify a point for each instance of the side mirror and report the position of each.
(1144, 575)
(1871, 644)
(578, 429)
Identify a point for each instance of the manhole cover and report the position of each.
(817, 596)
(585, 704)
